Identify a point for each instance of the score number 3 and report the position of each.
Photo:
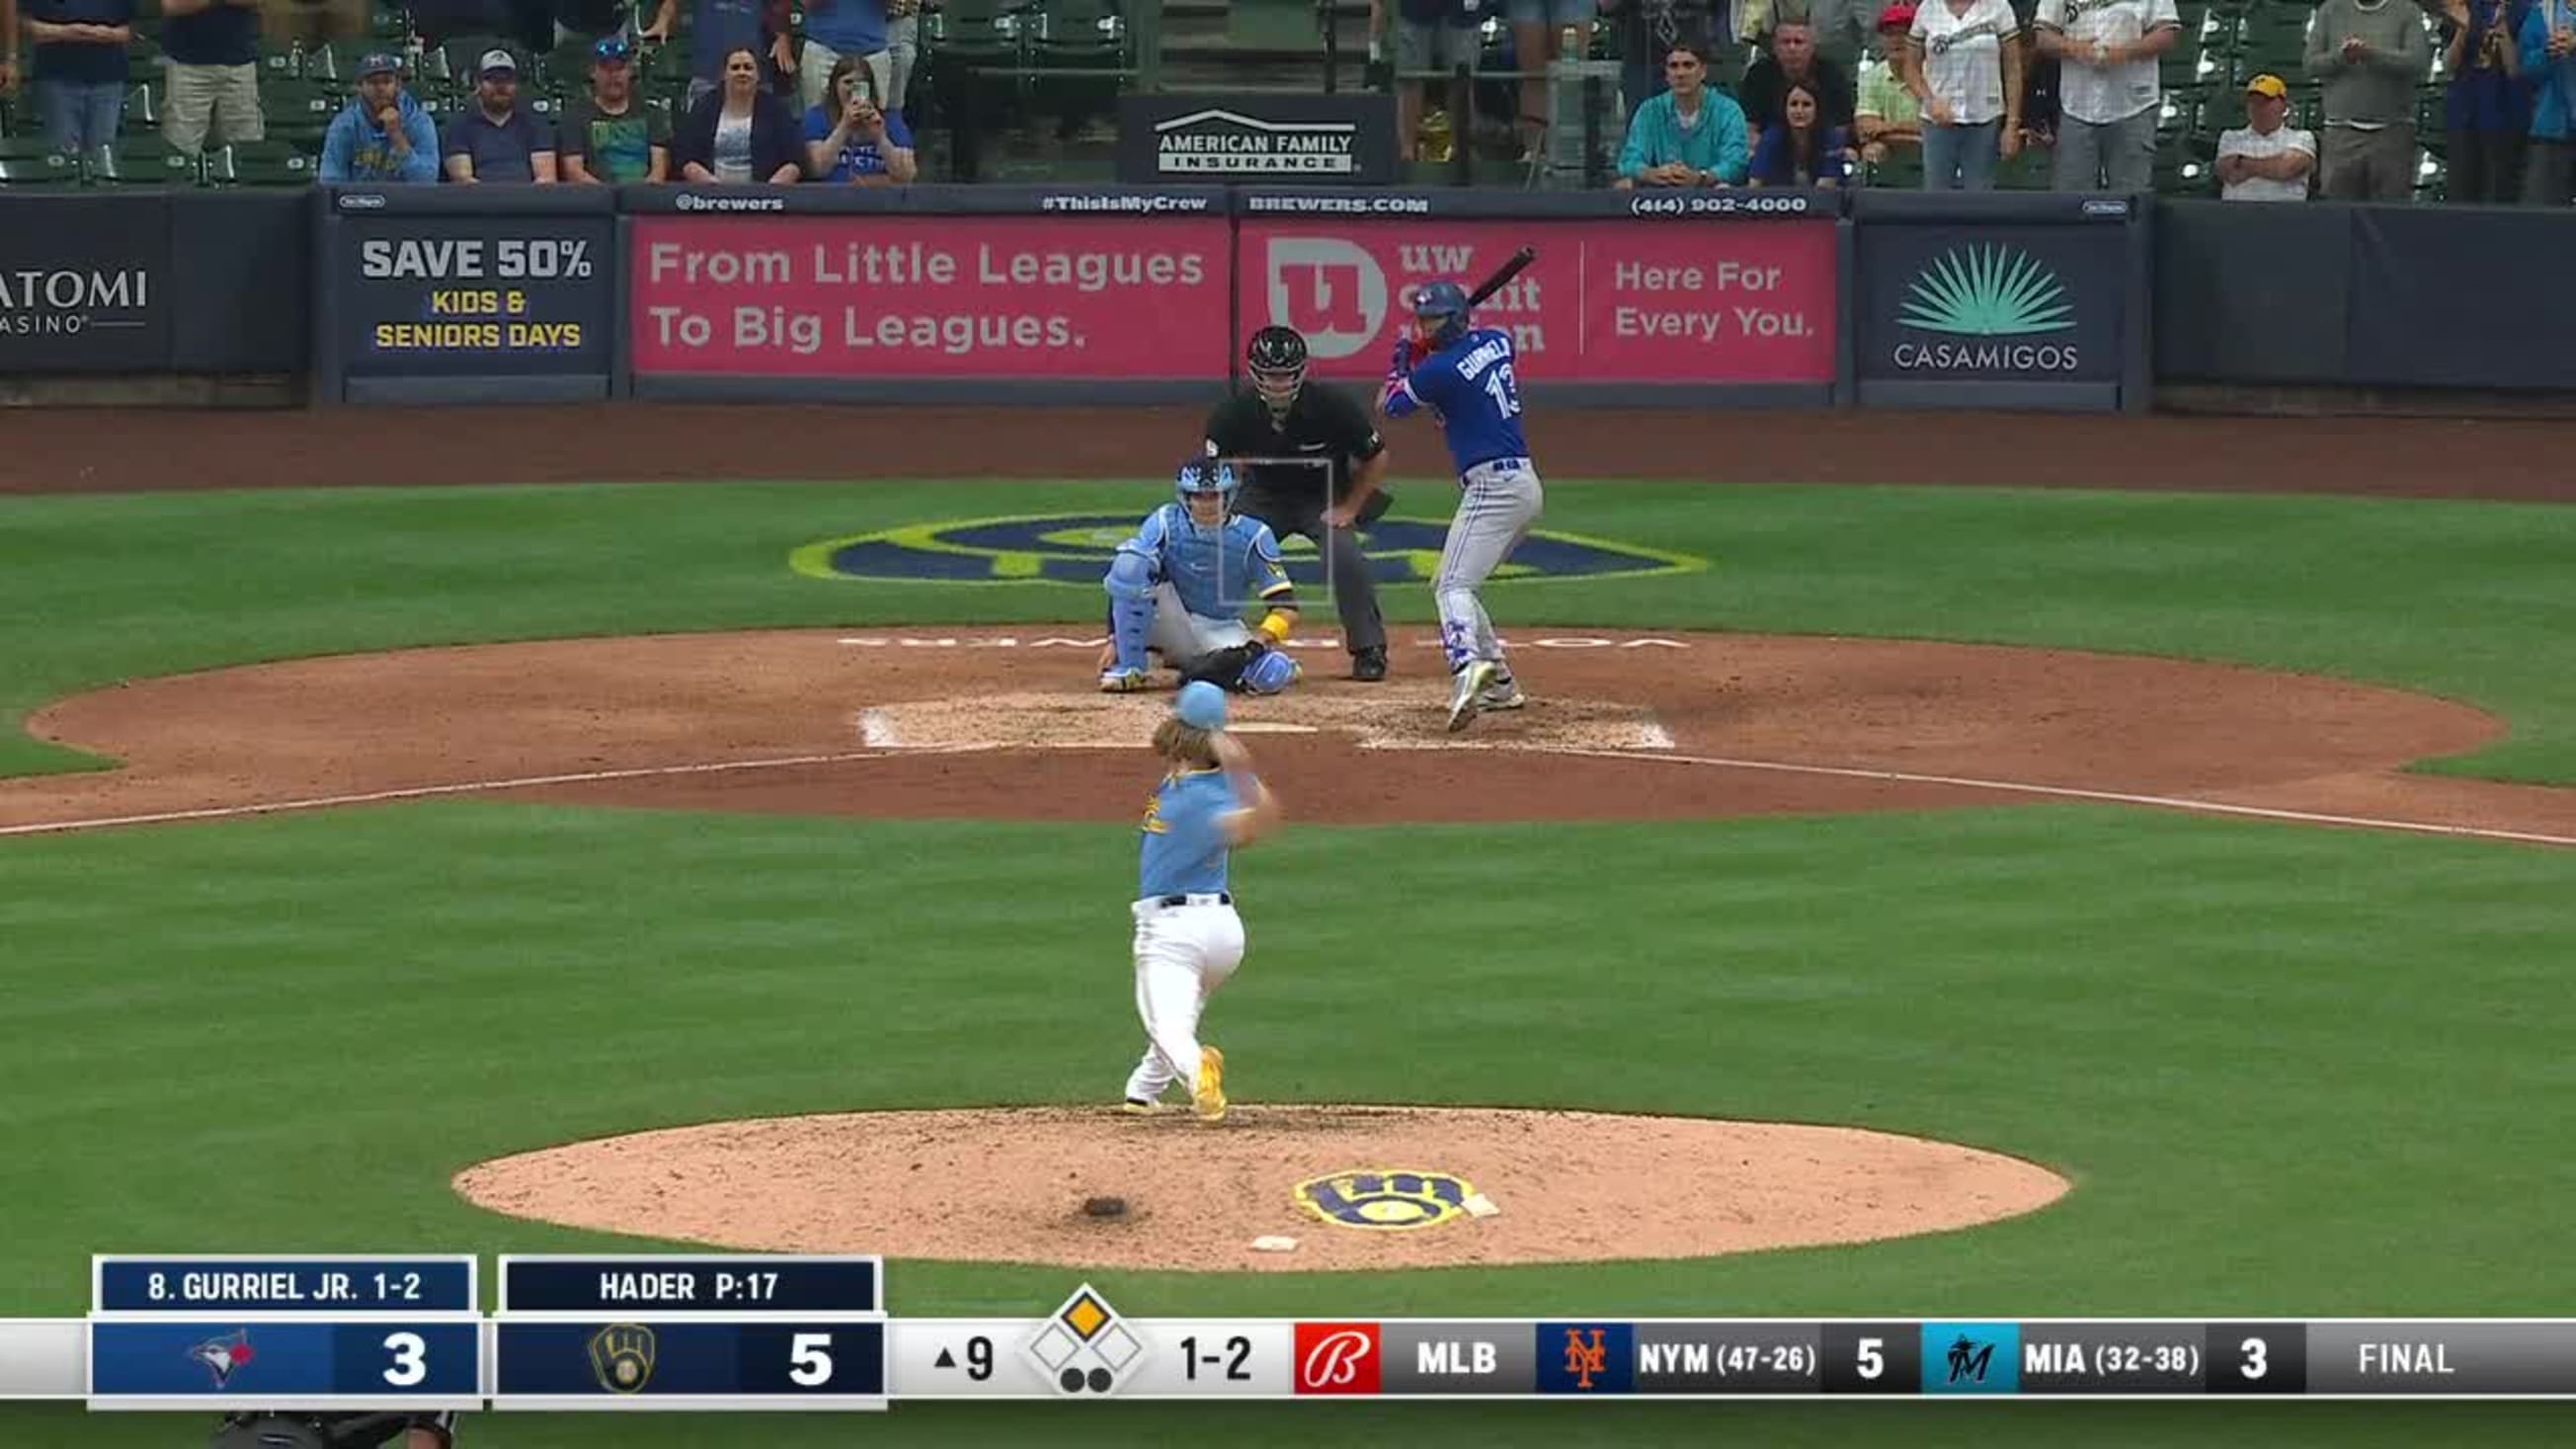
(411, 1360)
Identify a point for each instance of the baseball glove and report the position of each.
(1224, 667)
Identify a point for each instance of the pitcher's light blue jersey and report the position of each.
(1218, 572)
(1183, 849)
(1470, 382)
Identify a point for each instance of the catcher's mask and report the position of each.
(1277, 360)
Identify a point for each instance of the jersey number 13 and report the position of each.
(1505, 392)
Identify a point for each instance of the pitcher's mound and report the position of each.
(1355, 1187)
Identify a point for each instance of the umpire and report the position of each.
(1284, 417)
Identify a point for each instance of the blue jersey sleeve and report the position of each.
(1151, 543)
(1263, 566)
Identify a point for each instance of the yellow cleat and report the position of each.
(1207, 1094)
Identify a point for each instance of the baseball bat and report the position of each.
(1502, 276)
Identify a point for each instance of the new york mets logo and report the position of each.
(1583, 1360)
(1385, 1199)
(1075, 548)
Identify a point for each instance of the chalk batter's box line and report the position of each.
(1324, 492)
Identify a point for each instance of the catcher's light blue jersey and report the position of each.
(1218, 572)
(1470, 383)
(1183, 848)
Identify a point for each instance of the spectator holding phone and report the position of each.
(850, 139)
(383, 135)
(741, 134)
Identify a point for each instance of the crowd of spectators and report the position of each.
(759, 106)
(1812, 93)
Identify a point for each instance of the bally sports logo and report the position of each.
(1338, 1358)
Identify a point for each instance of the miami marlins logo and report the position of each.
(225, 1356)
(1075, 548)
(1583, 1360)
(1970, 1359)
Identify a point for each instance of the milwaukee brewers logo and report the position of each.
(621, 1356)
(1385, 1199)
(1076, 549)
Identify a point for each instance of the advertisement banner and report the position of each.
(1607, 301)
(1962, 302)
(1344, 139)
(890, 296)
(429, 295)
(85, 284)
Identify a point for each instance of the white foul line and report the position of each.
(423, 792)
(1846, 772)
(2069, 792)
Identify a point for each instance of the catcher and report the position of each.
(1179, 589)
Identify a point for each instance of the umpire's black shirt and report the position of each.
(1324, 422)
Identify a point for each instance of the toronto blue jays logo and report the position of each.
(224, 1356)
(1075, 548)
(1385, 1199)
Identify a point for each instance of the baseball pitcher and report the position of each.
(1180, 588)
(1188, 937)
(1463, 373)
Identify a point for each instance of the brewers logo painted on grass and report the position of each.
(1075, 548)
(1385, 1199)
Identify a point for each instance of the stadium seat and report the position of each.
(261, 163)
(143, 161)
(29, 161)
(142, 111)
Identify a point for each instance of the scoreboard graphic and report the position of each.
(766, 1332)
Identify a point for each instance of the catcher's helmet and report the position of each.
(1277, 359)
(1205, 475)
(1441, 308)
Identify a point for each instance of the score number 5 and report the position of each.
(809, 1360)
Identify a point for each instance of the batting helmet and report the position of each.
(1441, 308)
(1277, 359)
(1205, 475)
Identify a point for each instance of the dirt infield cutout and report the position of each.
(1009, 1185)
(960, 722)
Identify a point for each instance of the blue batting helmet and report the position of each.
(1205, 475)
(1272, 672)
(1442, 309)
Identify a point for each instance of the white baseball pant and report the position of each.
(1497, 503)
(1181, 636)
(1183, 954)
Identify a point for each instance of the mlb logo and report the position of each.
(1339, 1358)
(1972, 1358)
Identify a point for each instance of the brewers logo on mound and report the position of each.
(1076, 549)
(1385, 1199)
(622, 1356)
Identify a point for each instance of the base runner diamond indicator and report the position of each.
(1082, 1348)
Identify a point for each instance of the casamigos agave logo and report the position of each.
(1987, 292)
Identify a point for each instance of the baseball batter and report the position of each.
(1188, 938)
(1181, 586)
(1463, 373)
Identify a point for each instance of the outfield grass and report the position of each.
(2467, 600)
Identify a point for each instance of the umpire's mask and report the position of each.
(1277, 358)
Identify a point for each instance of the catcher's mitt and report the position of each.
(1224, 667)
